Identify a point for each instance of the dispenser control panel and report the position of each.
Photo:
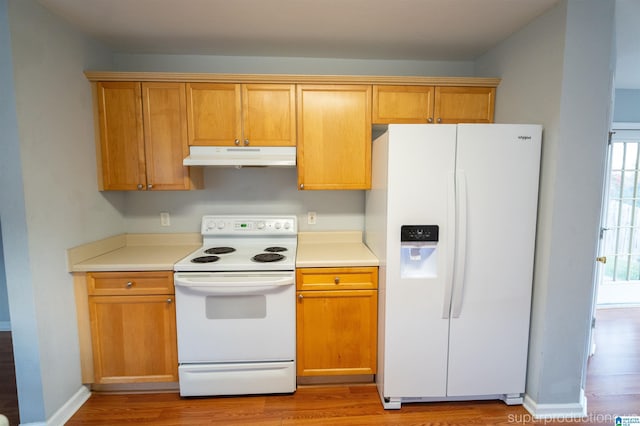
(419, 233)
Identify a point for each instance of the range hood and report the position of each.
(258, 156)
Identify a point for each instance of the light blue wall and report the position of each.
(284, 65)
(4, 297)
(558, 71)
(243, 191)
(627, 106)
(15, 242)
(48, 195)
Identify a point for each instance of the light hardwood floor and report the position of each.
(613, 388)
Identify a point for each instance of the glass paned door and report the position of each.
(621, 281)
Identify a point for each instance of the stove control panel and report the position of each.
(249, 225)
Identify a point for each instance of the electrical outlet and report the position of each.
(165, 219)
(311, 218)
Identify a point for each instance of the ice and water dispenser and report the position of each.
(419, 251)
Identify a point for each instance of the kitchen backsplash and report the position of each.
(243, 191)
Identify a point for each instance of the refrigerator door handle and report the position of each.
(450, 238)
(461, 244)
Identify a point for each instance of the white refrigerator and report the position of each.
(452, 217)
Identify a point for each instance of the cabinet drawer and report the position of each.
(337, 278)
(123, 283)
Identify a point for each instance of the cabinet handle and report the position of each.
(246, 142)
(336, 280)
(439, 120)
(140, 186)
(149, 186)
(237, 142)
(169, 300)
(302, 186)
(430, 120)
(300, 297)
(129, 284)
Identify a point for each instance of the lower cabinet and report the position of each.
(133, 327)
(336, 321)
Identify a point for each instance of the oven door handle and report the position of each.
(230, 290)
(210, 285)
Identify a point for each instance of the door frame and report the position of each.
(615, 127)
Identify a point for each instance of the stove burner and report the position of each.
(219, 250)
(275, 249)
(205, 259)
(267, 257)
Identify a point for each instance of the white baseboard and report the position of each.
(556, 411)
(65, 412)
(5, 325)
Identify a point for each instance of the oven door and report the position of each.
(225, 317)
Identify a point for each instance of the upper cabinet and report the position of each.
(230, 114)
(148, 121)
(464, 104)
(121, 137)
(214, 113)
(143, 137)
(402, 104)
(432, 104)
(334, 136)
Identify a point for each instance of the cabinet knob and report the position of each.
(129, 284)
(169, 300)
(302, 186)
(430, 120)
(140, 186)
(246, 142)
(149, 186)
(336, 280)
(439, 120)
(300, 297)
(237, 142)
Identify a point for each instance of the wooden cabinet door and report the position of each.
(464, 104)
(334, 136)
(165, 135)
(269, 114)
(402, 104)
(121, 154)
(133, 338)
(336, 332)
(214, 113)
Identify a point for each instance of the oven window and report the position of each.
(236, 307)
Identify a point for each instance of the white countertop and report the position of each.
(133, 252)
(333, 249)
(157, 252)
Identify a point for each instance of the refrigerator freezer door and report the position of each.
(414, 332)
(489, 337)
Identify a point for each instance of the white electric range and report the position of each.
(235, 307)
